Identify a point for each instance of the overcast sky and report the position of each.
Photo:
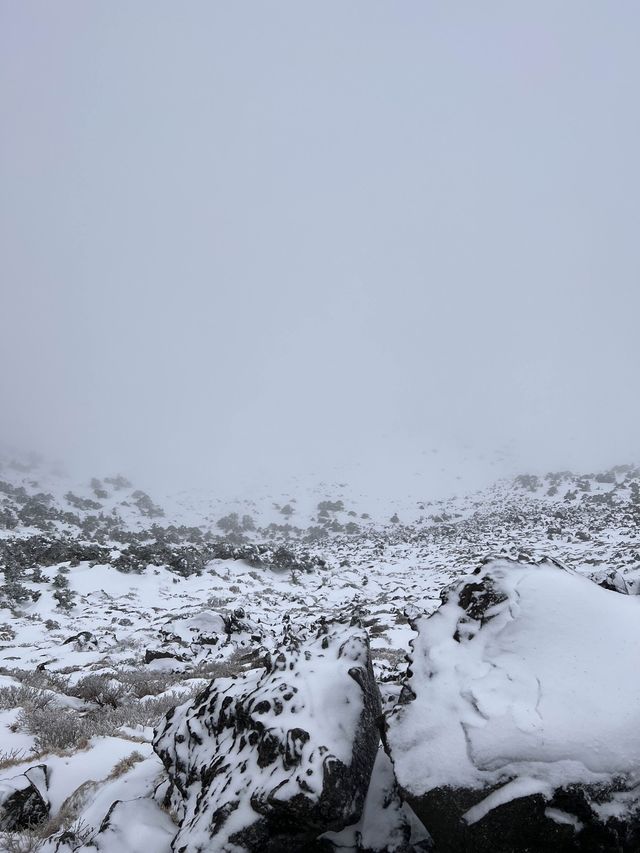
(246, 238)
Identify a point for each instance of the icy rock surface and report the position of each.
(23, 799)
(519, 724)
(272, 758)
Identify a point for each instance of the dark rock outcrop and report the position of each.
(23, 800)
(162, 654)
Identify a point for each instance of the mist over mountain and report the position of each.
(240, 244)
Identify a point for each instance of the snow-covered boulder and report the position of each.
(272, 758)
(134, 826)
(85, 641)
(23, 799)
(208, 628)
(519, 724)
(614, 580)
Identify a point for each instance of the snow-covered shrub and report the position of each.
(23, 697)
(64, 596)
(65, 729)
(27, 841)
(54, 728)
(144, 682)
(146, 506)
(16, 593)
(100, 689)
(82, 503)
(43, 679)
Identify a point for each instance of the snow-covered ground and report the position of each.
(102, 630)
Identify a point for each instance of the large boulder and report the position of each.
(519, 722)
(270, 759)
(23, 799)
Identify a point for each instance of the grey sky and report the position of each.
(246, 237)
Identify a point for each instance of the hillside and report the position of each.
(118, 605)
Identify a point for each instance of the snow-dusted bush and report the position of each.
(62, 729)
(23, 697)
(100, 689)
(55, 728)
(27, 841)
(43, 679)
(143, 682)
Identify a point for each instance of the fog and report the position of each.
(242, 241)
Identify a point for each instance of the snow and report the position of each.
(140, 781)
(564, 818)
(544, 693)
(68, 772)
(135, 826)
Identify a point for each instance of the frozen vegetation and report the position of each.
(314, 671)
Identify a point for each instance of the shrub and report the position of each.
(42, 679)
(144, 682)
(23, 697)
(17, 593)
(7, 633)
(331, 506)
(54, 728)
(99, 689)
(27, 841)
(66, 598)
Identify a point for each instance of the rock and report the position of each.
(132, 826)
(23, 799)
(208, 628)
(613, 581)
(270, 759)
(162, 654)
(85, 641)
(387, 824)
(517, 728)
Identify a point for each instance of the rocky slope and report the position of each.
(118, 606)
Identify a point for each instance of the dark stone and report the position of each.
(522, 824)
(159, 654)
(22, 805)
